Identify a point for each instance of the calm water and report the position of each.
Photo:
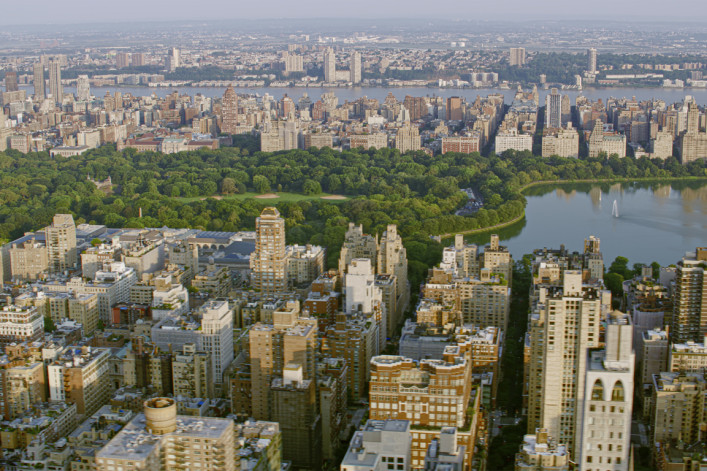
(350, 94)
(657, 222)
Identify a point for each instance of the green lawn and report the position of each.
(283, 196)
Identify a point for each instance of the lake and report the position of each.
(656, 222)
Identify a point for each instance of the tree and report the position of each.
(228, 186)
(261, 184)
(96, 242)
(614, 282)
(49, 324)
(311, 187)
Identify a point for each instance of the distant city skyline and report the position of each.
(84, 11)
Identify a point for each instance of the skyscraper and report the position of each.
(592, 61)
(173, 61)
(329, 65)
(563, 327)
(229, 111)
(268, 262)
(407, 139)
(39, 83)
(690, 299)
(122, 60)
(61, 243)
(392, 260)
(553, 109)
(83, 88)
(217, 336)
(355, 67)
(11, 81)
(604, 426)
(137, 59)
(55, 87)
(454, 109)
(517, 56)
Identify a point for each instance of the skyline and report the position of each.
(45, 12)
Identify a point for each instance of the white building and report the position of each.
(217, 336)
(380, 446)
(604, 430)
(510, 139)
(18, 324)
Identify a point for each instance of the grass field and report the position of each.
(282, 196)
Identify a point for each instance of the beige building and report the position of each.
(357, 245)
(229, 111)
(23, 386)
(61, 243)
(268, 263)
(392, 260)
(560, 142)
(517, 56)
(271, 347)
(407, 139)
(28, 260)
(379, 140)
(192, 373)
(677, 407)
(159, 440)
(564, 324)
(304, 263)
(81, 308)
(80, 376)
(662, 145)
(281, 135)
(601, 142)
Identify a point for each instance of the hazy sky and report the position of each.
(82, 11)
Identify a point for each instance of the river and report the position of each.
(670, 95)
(656, 222)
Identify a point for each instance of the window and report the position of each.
(617, 394)
(598, 391)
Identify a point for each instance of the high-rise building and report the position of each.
(268, 263)
(553, 109)
(604, 426)
(294, 407)
(564, 325)
(560, 142)
(122, 60)
(392, 260)
(23, 386)
(80, 375)
(357, 245)
(217, 336)
(83, 88)
(454, 109)
(355, 67)
(39, 83)
(160, 440)
(271, 347)
(592, 61)
(690, 299)
(11, 81)
(677, 406)
(137, 59)
(55, 86)
(61, 243)
(407, 139)
(511, 139)
(229, 111)
(517, 56)
(606, 143)
(173, 60)
(192, 373)
(329, 65)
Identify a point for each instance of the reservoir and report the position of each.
(656, 221)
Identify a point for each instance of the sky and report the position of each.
(23, 12)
